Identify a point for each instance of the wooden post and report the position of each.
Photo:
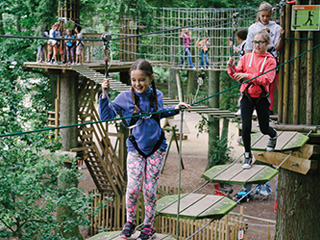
(179, 87)
(309, 81)
(286, 66)
(192, 82)
(172, 84)
(213, 122)
(69, 112)
(57, 108)
(296, 76)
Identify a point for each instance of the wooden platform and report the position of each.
(235, 174)
(195, 206)
(115, 236)
(286, 141)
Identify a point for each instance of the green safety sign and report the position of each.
(305, 18)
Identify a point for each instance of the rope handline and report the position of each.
(163, 111)
(179, 175)
(239, 84)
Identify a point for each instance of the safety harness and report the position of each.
(264, 93)
(136, 118)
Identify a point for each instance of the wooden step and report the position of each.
(195, 206)
(115, 236)
(286, 141)
(235, 174)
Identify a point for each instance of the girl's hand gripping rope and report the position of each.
(238, 76)
(182, 105)
(105, 87)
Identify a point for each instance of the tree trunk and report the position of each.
(172, 84)
(192, 82)
(69, 136)
(298, 206)
(299, 195)
(213, 122)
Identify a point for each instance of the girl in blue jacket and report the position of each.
(146, 143)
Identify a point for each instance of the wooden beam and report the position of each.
(296, 77)
(295, 128)
(293, 163)
(286, 67)
(309, 80)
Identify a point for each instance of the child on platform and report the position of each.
(255, 93)
(241, 40)
(79, 45)
(276, 33)
(69, 45)
(204, 52)
(146, 143)
(186, 37)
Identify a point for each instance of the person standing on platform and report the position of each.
(204, 52)
(276, 39)
(186, 37)
(254, 94)
(146, 143)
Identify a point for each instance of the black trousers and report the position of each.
(247, 108)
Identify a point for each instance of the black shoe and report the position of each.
(128, 230)
(247, 160)
(272, 143)
(147, 232)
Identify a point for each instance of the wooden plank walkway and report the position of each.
(115, 236)
(286, 141)
(98, 77)
(195, 206)
(235, 174)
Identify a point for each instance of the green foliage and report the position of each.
(229, 99)
(30, 193)
(220, 152)
(202, 125)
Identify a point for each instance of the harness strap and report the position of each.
(155, 148)
(263, 93)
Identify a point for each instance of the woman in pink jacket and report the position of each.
(255, 93)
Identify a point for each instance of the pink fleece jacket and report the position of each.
(254, 64)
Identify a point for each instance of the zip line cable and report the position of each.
(146, 114)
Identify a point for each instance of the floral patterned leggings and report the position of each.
(146, 169)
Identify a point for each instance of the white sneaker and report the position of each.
(238, 113)
(247, 160)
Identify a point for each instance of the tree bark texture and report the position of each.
(298, 206)
(69, 111)
(298, 215)
(213, 122)
(192, 82)
(172, 84)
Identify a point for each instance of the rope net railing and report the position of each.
(166, 45)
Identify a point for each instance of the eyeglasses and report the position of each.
(258, 42)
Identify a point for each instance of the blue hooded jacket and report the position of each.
(149, 131)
